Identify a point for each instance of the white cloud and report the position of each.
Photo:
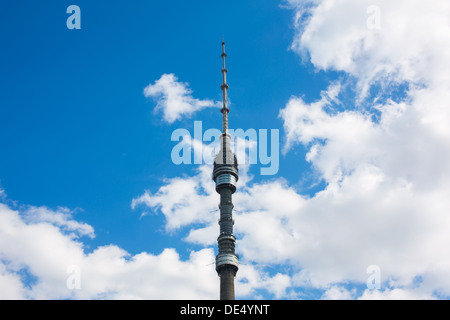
(411, 43)
(365, 218)
(183, 201)
(174, 98)
(45, 252)
(61, 218)
(385, 159)
(338, 293)
(396, 294)
(40, 259)
(250, 279)
(11, 285)
(387, 179)
(387, 182)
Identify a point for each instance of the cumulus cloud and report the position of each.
(251, 279)
(395, 294)
(386, 164)
(338, 293)
(383, 152)
(183, 201)
(386, 41)
(384, 158)
(61, 217)
(174, 98)
(39, 259)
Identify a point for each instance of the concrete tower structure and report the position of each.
(225, 175)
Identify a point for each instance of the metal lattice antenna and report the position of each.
(224, 88)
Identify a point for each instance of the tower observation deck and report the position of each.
(225, 175)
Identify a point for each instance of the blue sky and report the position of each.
(358, 99)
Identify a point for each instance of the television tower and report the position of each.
(225, 175)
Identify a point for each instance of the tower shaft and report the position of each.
(225, 175)
(227, 284)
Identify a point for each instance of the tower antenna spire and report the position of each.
(225, 175)
(224, 88)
